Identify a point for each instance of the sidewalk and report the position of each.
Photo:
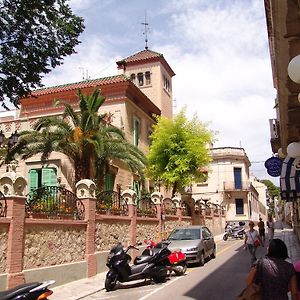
(79, 289)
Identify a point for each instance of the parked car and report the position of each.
(197, 242)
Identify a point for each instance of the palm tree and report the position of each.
(86, 137)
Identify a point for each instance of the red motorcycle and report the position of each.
(177, 259)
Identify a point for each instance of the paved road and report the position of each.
(221, 278)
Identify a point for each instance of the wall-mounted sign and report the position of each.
(273, 166)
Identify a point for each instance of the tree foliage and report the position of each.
(86, 137)
(273, 190)
(179, 151)
(35, 36)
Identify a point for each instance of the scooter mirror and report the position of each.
(139, 243)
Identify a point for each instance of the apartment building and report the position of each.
(229, 184)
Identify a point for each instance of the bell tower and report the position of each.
(151, 73)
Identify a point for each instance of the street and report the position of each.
(220, 278)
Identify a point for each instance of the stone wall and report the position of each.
(147, 230)
(48, 246)
(3, 248)
(109, 232)
(169, 225)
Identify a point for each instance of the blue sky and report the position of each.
(218, 50)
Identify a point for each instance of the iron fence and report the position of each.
(146, 208)
(186, 210)
(54, 202)
(169, 207)
(112, 203)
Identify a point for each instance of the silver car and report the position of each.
(197, 242)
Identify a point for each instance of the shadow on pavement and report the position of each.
(226, 282)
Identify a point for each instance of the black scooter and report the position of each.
(28, 291)
(153, 267)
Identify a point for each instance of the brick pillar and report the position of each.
(90, 217)
(85, 191)
(15, 244)
(156, 198)
(130, 197)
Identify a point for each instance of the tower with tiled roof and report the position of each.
(153, 75)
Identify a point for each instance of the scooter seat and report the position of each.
(142, 259)
(14, 292)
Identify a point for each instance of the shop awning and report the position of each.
(290, 179)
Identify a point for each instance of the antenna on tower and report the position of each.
(146, 30)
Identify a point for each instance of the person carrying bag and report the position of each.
(252, 241)
(272, 277)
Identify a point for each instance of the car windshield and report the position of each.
(184, 234)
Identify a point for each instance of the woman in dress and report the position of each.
(275, 275)
(251, 236)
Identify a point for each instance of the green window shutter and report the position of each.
(33, 178)
(136, 188)
(135, 132)
(49, 177)
(109, 181)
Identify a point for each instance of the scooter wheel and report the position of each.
(181, 269)
(109, 284)
(159, 279)
(225, 237)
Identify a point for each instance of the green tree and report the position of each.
(179, 151)
(273, 190)
(35, 36)
(87, 138)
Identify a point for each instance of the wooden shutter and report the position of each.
(109, 181)
(49, 177)
(33, 179)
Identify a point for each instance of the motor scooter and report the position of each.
(237, 232)
(177, 259)
(153, 267)
(28, 291)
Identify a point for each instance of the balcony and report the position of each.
(233, 186)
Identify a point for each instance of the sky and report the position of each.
(217, 48)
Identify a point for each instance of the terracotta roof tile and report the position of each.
(81, 84)
(142, 55)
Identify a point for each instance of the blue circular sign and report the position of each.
(273, 166)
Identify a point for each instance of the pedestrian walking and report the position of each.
(252, 241)
(270, 225)
(261, 229)
(275, 275)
